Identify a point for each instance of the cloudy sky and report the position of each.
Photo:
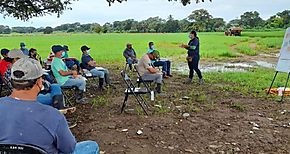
(89, 11)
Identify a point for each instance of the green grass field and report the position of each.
(109, 47)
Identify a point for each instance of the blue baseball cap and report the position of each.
(57, 48)
(22, 44)
(4, 51)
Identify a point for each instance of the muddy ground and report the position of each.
(218, 122)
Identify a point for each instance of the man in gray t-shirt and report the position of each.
(147, 71)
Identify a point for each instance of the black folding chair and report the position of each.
(146, 83)
(5, 84)
(20, 149)
(87, 74)
(69, 94)
(1, 85)
(136, 92)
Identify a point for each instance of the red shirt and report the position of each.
(3, 66)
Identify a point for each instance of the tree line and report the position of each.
(200, 20)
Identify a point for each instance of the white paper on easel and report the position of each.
(283, 64)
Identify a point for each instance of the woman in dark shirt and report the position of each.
(193, 56)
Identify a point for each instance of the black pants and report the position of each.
(193, 66)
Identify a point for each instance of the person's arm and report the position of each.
(58, 67)
(65, 141)
(192, 45)
(125, 54)
(87, 60)
(92, 63)
(67, 73)
(149, 67)
(152, 70)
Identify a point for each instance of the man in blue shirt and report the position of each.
(23, 49)
(90, 64)
(25, 121)
(165, 63)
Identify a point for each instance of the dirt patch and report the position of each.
(219, 121)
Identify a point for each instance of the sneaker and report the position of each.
(200, 81)
(188, 81)
(158, 89)
(170, 75)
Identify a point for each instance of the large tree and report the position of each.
(251, 19)
(200, 19)
(285, 16)
(26, 9)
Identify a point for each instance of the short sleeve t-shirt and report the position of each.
(29, 122)
(85, 61)
(25, 51)
(3, 66)
(144, 64)
(56, 65)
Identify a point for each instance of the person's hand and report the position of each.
(157, 71)
(184, 46)
(75, 67)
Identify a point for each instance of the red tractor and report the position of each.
(234, 31)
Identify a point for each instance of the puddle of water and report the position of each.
(270, 55)
(265, 64)
(225, 67)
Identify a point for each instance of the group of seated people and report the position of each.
(34, 88)
(148, 64)
(59, 75)
(25, 115)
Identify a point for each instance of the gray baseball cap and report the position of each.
(26, 69)
(16, 53)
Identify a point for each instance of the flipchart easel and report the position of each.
(283, 64)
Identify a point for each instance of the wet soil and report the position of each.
(218, 122)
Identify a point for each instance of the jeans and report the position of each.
(48, 78)
(130, 62)
(193, 65)
(106, 74)
(166, 66)
(48, 97)
(98, 73)
(78, 82)
(157, 77)
(86, 147)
